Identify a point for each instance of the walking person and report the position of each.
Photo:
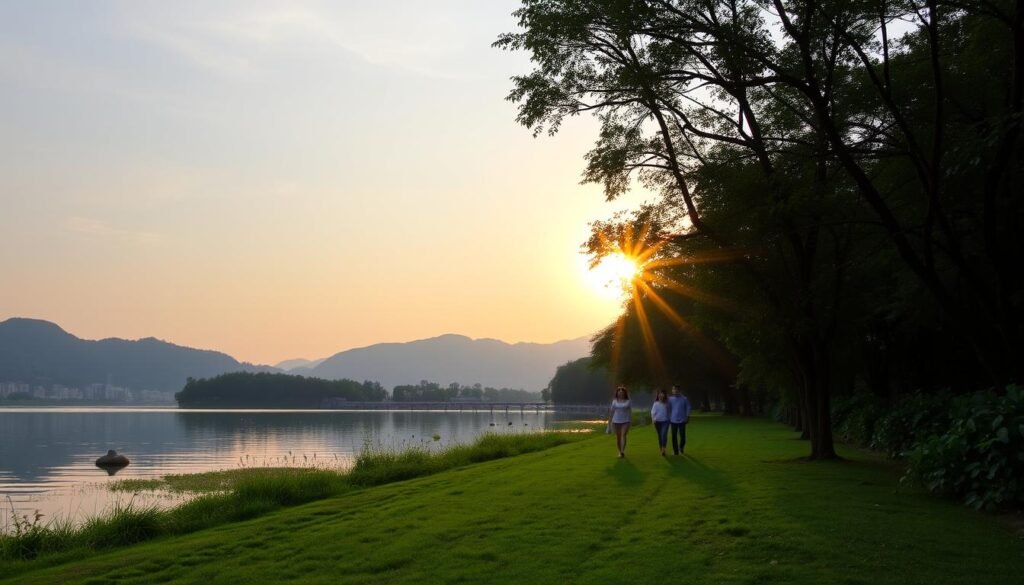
(620, 414)
(678, 416)
(659, 414)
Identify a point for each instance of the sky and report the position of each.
(285, 179)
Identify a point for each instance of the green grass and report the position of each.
(209, 482)
(242, 494)
(739, 508)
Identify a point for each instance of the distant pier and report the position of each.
(469, 406)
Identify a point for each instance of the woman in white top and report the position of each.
(659, 414)
(620, 413)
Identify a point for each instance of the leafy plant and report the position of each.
(980, 458)
(911, 420)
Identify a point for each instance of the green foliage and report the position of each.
(911, 420)
(854, 418)
(970, 447)
(581, 382)
(980, 457)
(863, 175)
(264, 390)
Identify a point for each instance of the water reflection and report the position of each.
(47, 456)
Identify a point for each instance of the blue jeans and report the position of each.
(662, 428)
(678, 437)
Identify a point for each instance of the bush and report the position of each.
(854, 418)
(914, 418)
(980, 456)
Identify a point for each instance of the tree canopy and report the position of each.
(839, 185)
(580, 382)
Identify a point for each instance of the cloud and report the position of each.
(101, 230)
(198, 51)
(233, 42)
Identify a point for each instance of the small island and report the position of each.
(266, 390)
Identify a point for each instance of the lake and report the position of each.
(47, 455)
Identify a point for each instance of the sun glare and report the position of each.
(613, 276)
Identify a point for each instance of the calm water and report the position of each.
(47, 455)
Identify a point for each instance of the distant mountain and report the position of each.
(39, 352)
(288, 365)
(453, 358)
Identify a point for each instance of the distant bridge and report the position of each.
(470, 406)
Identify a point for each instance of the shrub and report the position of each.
(914, 418)
(980, 456)
(854, 418)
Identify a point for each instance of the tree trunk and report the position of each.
(822, 445)
(818, 403)
(743, 404)
(730, 400)
(797, 418)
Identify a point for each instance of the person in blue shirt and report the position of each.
(678, 416)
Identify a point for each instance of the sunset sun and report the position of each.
(613, 275)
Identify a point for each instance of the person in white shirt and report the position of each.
(659, 414)
(620, 414)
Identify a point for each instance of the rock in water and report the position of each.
(112, 462)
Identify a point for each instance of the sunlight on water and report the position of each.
(47, 456)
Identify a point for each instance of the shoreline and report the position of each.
(224, 497)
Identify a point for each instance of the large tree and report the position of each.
(830, 128)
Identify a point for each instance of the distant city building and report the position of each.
(92, 393)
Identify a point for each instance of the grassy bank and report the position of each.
(740, 508)
(243, 494)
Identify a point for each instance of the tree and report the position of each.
(815, 145)
(580, 382)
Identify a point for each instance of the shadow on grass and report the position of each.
(695, 471)
(869, 464)
(624, 472)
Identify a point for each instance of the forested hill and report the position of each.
(266, 390)
(453, 358)
(39, 352)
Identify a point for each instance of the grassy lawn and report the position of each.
(737, 509)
